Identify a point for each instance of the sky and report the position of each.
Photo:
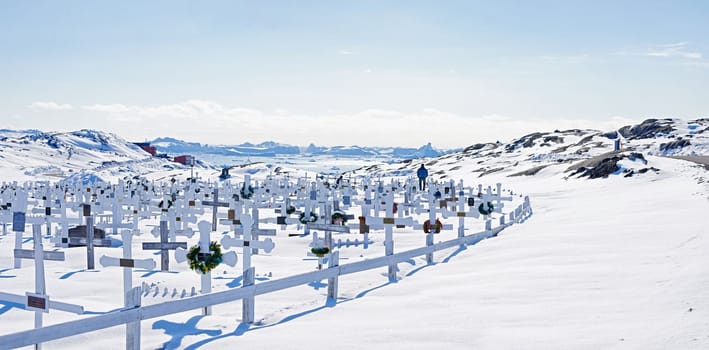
(377, 73)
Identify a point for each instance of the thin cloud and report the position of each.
(345, 52)
(52, 106)
(673, 50)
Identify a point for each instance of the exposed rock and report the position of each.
(603, 165)
(488, 172)
(525, 141)
(677, 144)
(647, 129)
(529, 172)
(555, 139)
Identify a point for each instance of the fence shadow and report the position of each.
(1, 276)
(243, 328)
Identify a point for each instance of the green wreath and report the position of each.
(489, 210)
(246, 194)
(302, 219)
(320, 252)
(205, 262)
(338, 215)
(290, 210)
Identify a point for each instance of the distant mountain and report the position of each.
(270, 149)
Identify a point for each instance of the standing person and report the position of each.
(422, 173)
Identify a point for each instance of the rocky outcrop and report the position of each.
(648, 129)
(604, 165)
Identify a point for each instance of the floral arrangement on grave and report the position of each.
(320, 252)
(488, 211)
(338, 218)
(427, 226)
(290, 210)
(312, 218)
(246, 193)
(204, 263)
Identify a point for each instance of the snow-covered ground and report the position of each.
(618, 262)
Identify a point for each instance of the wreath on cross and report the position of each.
(338, 215)
(487, 211)
(320, 252)
(427, 226)
(312, 218)
(201, 262)
(246, 193)
(290, 210)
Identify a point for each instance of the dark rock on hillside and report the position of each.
(555, 139)
(530, 172)
(603, 165)
(648, 129)
(525, 141)
(677, 144)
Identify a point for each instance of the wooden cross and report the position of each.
(164, 246)
(256, 231)
(249, 245)
(228, 258)
(90, 241)
(389, 222)
(19, 208)
(215, 204)
(39, 300)
(129, 297)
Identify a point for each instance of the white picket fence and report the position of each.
(140, 313)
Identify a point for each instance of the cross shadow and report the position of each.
(179, 330)
(1, 271)
(317, 285)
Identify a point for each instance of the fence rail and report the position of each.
(137, 314)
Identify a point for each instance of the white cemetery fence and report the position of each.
(138, 313)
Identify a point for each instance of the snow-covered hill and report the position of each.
(83, 154)
(570, 153)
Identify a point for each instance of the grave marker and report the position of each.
(164, 246)
(215, 204)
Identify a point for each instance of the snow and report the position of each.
(604, 263)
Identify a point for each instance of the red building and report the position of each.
(184, 159)
(146, 147)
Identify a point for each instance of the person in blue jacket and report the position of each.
(422, 173)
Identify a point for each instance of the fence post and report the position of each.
(247, 312)
(133, 328)
(332, 282)
(429, 242)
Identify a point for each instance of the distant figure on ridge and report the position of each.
(422, 173)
